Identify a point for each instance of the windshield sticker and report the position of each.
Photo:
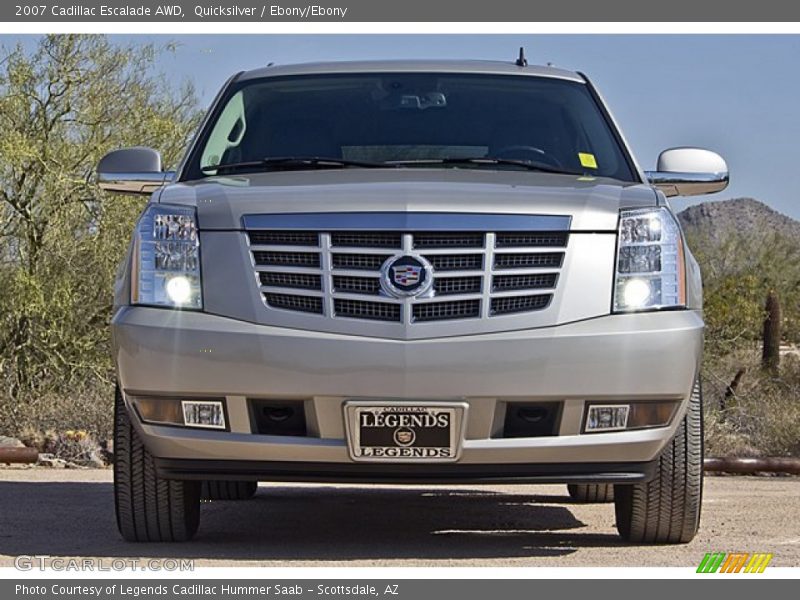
(588, 161)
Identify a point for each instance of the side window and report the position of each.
(223, 143)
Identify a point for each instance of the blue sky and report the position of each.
(737, 95)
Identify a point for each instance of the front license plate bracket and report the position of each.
(409, 432)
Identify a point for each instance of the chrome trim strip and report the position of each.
(408, 221)
(659, 177)
(688, 184)
(134, 183)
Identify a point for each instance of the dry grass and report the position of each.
(762, 417)
(90, 410)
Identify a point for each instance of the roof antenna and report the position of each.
(521, 61)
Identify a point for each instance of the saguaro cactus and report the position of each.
(770, 354)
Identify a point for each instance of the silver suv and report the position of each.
(409, 272)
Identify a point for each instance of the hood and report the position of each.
(593, 204)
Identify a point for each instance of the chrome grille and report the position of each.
(356, 285)
(467, 239)
(516, 304)
(310, 304)
(361, 262)
(446, 286)
(456, 262)
(287, 259)
(476, 275)
(514, 239)
(358, 239)
(441, 311)
(505, 283)
(285, 238)
(360, 309)
(291, 280)
(527, 260)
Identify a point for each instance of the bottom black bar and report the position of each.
(171, 468)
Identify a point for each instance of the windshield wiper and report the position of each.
(324, 162)
(531, 165)
(292, 162)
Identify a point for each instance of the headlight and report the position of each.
(166, 259)
(650, 264)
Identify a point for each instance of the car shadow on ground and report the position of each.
(304, 523)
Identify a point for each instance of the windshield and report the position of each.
(427, 120)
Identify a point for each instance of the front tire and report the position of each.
(591, 493)
(149, 509)
(666, 510)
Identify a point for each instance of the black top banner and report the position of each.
(467, 11)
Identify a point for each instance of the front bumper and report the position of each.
(647, 356)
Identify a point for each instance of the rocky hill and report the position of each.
(715, 220)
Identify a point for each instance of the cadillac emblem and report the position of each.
(404, 436)
(406, 275)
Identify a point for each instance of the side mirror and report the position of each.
(132, 171)
(689, 172)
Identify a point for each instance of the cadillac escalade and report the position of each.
(409, 272)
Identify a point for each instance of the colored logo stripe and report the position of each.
(758, 563)
(711, 562)
(734, 562)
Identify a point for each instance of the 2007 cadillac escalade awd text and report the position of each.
(409, 272)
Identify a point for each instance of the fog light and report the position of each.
(607, 417)
(208, 414)
(636, 415)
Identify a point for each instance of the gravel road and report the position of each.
(70, 513)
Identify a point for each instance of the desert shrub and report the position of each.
(762, 417)
(88, 409)
(63, 105)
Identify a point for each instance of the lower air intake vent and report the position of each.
(278, 417)
(532, 420)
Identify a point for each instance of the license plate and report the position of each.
(404, 432)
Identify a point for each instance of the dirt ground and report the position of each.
(70, 513)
